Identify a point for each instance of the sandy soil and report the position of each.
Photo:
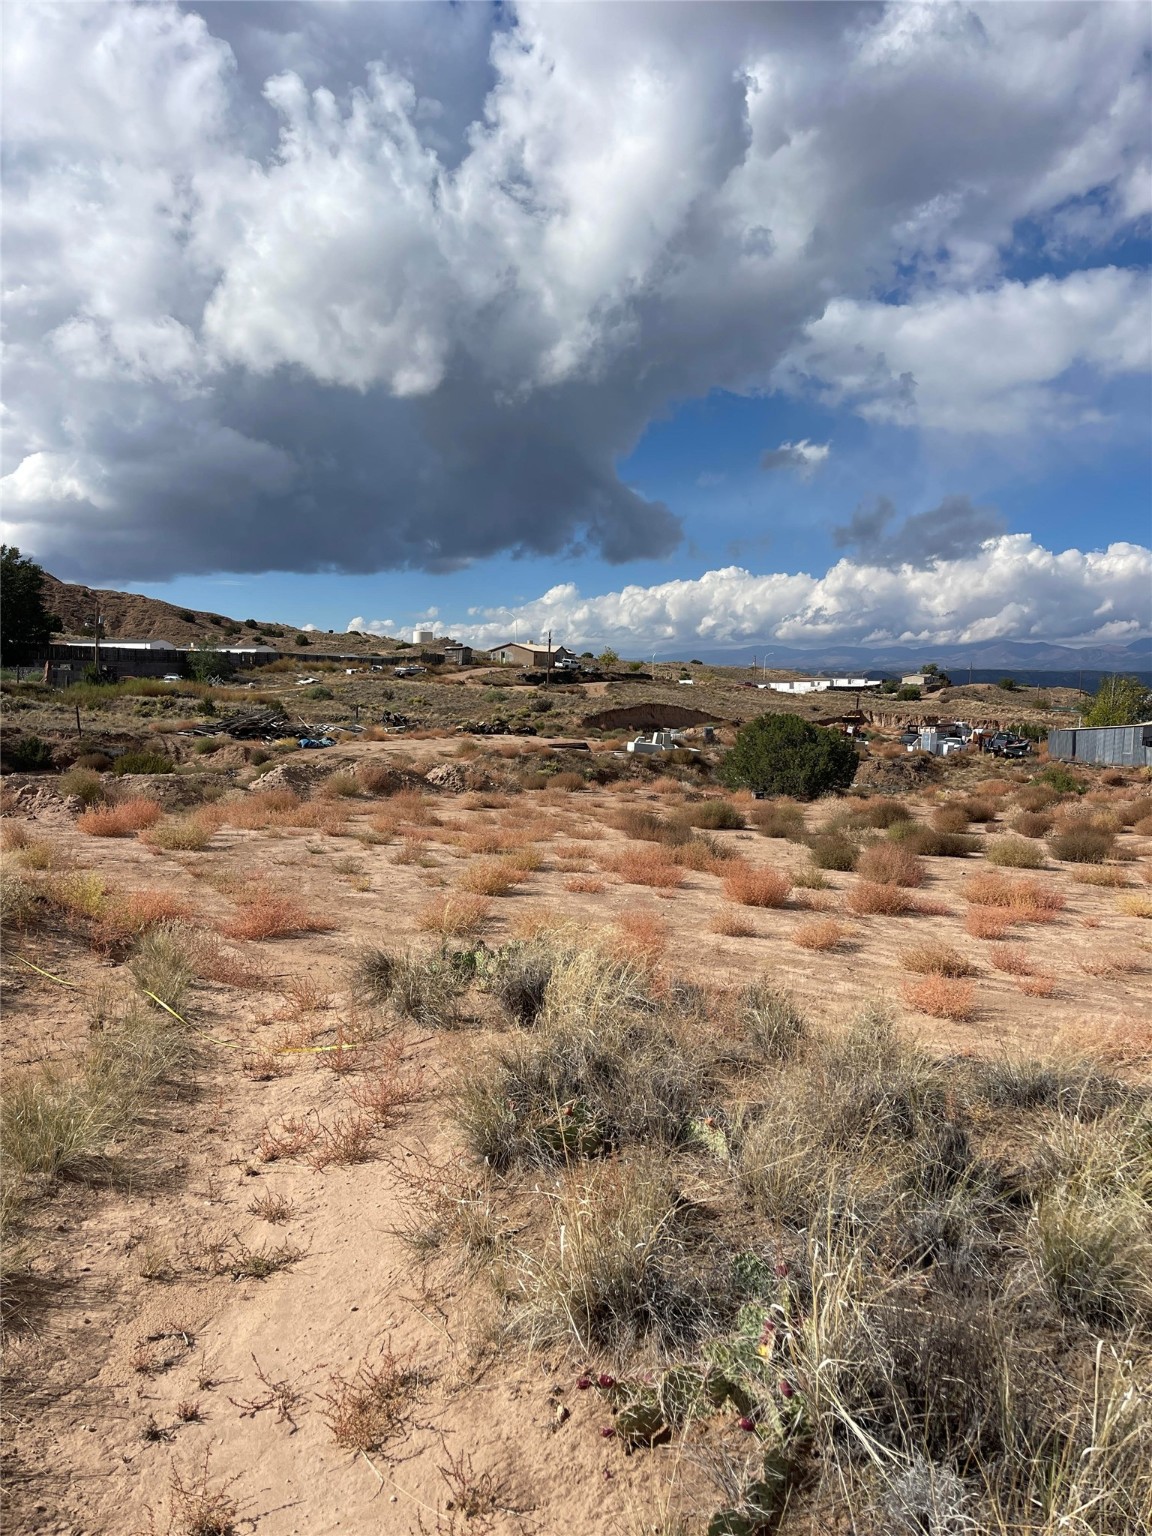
(104, 1356)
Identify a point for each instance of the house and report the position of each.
(458, 655)
(821, 684)
(914, 680)
(530, 655)
(1129, 746)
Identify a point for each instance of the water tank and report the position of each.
(423, 636)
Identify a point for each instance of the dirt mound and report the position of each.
(653, 716)
(908, 772)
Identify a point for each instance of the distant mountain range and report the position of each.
(1008, 655)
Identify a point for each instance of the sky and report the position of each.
(662, 325)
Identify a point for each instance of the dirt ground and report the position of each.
(123, 1331)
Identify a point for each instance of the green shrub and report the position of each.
(716, 815)
(936, 845)
(319, 692)
(29, 755)
(303, 640)
(84, 785)
(832, 850)
(784, 755)
(143, 762)
(1081, 845)
(204, 665)
(908, 693)
(1062, 779)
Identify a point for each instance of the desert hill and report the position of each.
(131, 616)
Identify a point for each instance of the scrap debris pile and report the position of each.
(248, 725)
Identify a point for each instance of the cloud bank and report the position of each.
(1008, 588)
(331, 287)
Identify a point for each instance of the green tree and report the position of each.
(908, 692)
(24, 619)
(303, 640)
(1008, 685)
(1120, 701)
(784, 755)
(608, 659)
(203, 665)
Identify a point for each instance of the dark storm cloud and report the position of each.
(318, 286)
(955, 530)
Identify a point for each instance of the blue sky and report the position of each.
(377, 313)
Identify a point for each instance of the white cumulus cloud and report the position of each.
(1010, 588)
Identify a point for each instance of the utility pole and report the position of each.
(548, 662)
(97, 622)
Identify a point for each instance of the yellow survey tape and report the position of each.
(232, 1045)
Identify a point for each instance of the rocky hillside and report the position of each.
(131, 616)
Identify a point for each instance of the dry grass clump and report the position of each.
(1029, 901)
(942, 997)
(1011, 959)
(614, 1272)
(880, 812)
(589, 885)
(376, 778)
(183, 834)
(340, 785)
(1081, 844)
(1106, 875)
(1032, 823)
(988, 922)
(820, 934)
(454, 915)
(125, 914)
(778, 818)
(977, 808)
(1132, 812)
(600, 1068)
(934, 958)
(1013, 853)
(646, 866)
(1111, 963)
(951, 817)
(1037, 797)
(890, 864)
(868, 896)
(715, 815)
(732, 923)
(367, 1409)
(753, 886)
(490, 877)
(643, 936)
(123, 820)
(1037, 986)
(932, 843)
(267, 914)
(1137, 905)
(647, 827)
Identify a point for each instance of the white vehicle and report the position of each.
(686, 682)
(408, 671)
(172, 677)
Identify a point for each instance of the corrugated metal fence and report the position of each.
(1127, 745)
